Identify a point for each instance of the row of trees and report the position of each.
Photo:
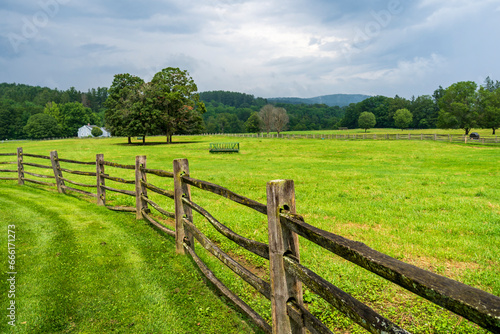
(233, 117)
(168, 104)
(59, 120)
(402, 119)
(463, 105)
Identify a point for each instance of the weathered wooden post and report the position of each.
(140, 189)
(181, 190)
(284, 287)
(101, 192)
(20, 166)
(57, 171)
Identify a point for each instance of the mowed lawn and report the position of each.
(84, 269)
(432, 204)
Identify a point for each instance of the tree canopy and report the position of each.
(367, 120)
(41, 126)
(403, 118)
(458, 106)
(168, 104)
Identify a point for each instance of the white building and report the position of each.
(86, 131)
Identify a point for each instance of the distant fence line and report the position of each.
(367, 136)
(287, 274)
(358, 136)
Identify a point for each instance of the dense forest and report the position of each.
(228, 112)
(463, 105)
(70, 108)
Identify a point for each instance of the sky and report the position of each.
(268, 48)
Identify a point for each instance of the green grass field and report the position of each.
(84, 269)
(432, 204)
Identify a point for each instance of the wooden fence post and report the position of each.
(140, 189)
(101, 192)
(181, 167)
(20, 166)
(57, 171)
(284, 287)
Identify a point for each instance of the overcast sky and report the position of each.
(268, 48)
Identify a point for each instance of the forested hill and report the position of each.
(340, 100)
(228, 112)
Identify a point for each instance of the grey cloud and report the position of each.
(266, 47)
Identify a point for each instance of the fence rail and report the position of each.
(285, 226)
(368, 136)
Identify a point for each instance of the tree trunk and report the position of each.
(466, 131)
(143, 139)
(493, 131)
(129, 140)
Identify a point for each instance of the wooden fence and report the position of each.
(285, 226)
(374, 136)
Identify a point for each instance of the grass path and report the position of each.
(83, 269)
(432, 204)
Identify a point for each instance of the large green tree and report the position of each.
(73, 116)
(253, 124)
(175, 95)
(118, 115)
(42, 126)
(403, 118)
(168, 104)
(458, 106)
(489, 108)
(366, 120)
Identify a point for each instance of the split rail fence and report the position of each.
(374, 136)
(287, 274)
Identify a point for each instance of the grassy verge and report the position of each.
(432, 204)
(83, 269)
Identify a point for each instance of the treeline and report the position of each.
(462, 105)
(69, 108)
(229, 112)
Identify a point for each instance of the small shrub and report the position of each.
(96, 131)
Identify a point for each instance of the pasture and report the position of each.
(432, 204)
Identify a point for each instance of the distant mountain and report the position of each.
(330, 100)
